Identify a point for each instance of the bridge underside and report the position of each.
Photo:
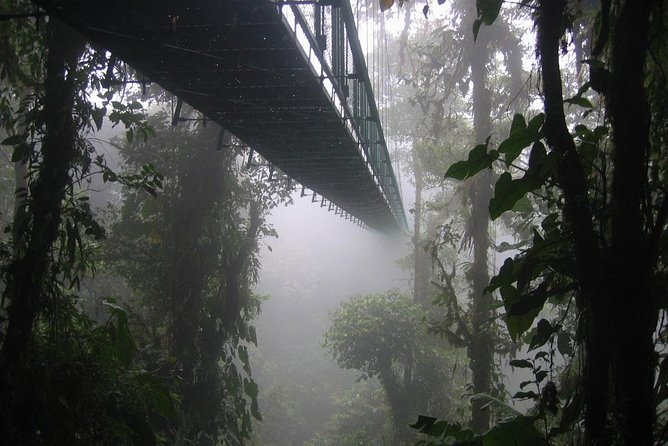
(238, 63)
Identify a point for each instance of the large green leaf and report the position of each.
(520, 431)
(522, 309)
(505, 276)
(581, 101)
(517, 431)
(579, 98)
(521, 363)
(488, 10)
(506, 193)
(22, 152)
(544, 332)
(13, 140)
(521, 136)
(444, 433)
(478, 160)
(161, 398)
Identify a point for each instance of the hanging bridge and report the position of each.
(287, 78)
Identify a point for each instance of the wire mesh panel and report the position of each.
(286, 77)
(330, 32)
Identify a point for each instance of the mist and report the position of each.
(317, 261)
(333, 223)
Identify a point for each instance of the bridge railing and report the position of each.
(326, 31)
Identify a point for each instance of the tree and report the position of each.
(190, 255)
(63, 378)
(607, 208)
(446, 121)
(601, 268)
(381, 335)
(362, 417)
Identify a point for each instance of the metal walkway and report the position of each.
(287, 78)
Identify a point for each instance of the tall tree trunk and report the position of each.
(635, 312)
(30, 268)
(421, 261)
(481, 350)
(399, 398)
(202, 182)
(591, 301)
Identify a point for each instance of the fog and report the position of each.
(317, 261)
(165, 283)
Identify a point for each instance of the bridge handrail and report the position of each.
(358, 105)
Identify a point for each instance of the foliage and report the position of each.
(582, 182)
(384, 336)
(65, 379)
(519, 431)
(89, 388)
(362, 417)
(190, 254)
(369, 331)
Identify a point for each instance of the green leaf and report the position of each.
(515, 143)
(518, 124)
(507, 192)
(520, 431)
(521, 310)
(477, 23)
(505, 276)
(160, 396)
(521, 136)
(21, 153)
(424, 423)
(582, 102)
(98, 115)
(536, 123)
(537, 156)
(124, 343)
(521, 363)
(526, 395)
(544, 332)
(435, 428)
(478, 160)
(579, 99)
(488, 10)
(13, 140)
(570, 415)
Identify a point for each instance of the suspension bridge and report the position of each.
(288, 78)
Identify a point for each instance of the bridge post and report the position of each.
(318, 24)
(338, 46)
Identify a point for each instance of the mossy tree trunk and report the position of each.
(481, 348)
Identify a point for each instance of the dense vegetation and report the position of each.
(535, 134)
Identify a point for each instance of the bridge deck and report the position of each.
(238, 62)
